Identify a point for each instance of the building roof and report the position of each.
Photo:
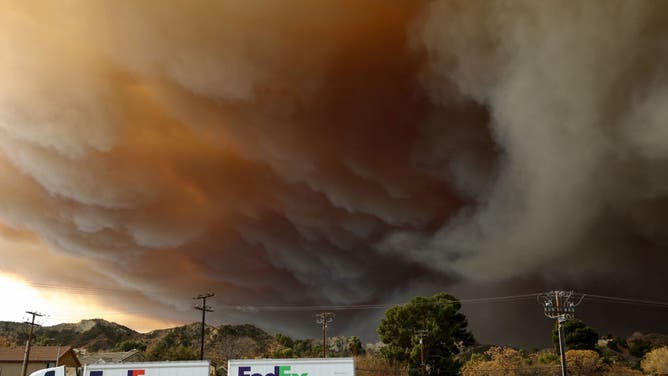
(37, 353)
(109, 357)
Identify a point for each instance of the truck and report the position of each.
(177, 368)
(53, 371)
(290, 367)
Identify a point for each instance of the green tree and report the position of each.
(577, 336)
(548, 358)
(163, 351)
(301, 348)
(639, 347)
(355, 346)
(284, 340)
(158, 351)
(445, 334)
(283, 353)
(130, 345)
(618, 344)
(181, 352)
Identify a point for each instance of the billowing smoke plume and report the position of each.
(577, 98)
(329, 153)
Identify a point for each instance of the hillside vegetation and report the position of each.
(179, 343)
(609, 356)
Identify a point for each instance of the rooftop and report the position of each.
(37, 353)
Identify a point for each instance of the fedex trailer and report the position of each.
(291, 367)
(53, 371)
(177, 368)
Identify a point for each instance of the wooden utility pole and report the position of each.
(560, 305)
(324, 318)
(560, 330)
(204, 308)
(26, 356)
(421, 333)
(57, 355)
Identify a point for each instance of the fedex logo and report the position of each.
(278, 371)
(131, 372)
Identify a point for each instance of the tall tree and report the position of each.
(355, 346)
(577, 336)
(440, 324)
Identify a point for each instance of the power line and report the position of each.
(87, 290)
(102, 291)
(614, 299)
(501, 299)
(352, 307)
(88, 314)
(286, 308)
(83, 290)
(488, 300)
(315, 308)
(108, 291)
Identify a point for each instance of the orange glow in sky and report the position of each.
(61, 307)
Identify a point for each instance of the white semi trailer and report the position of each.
(291, 367)
(54, 371)
(176, 368)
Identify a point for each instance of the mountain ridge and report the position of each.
(176, 343)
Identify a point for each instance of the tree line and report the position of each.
(426, 336)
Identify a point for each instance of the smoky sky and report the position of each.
(335, 153)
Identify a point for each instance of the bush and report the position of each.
(496, 361)
(373, 366)
(639, 347)
(656, 361)
(584, 363)
(130, 345)
(548, 358)
(618, 344)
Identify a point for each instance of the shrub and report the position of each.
(656, 361)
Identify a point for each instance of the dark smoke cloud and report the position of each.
(328, 153)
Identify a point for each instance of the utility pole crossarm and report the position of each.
(207, 308)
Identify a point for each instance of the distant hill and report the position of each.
(93, 335)
(221, 343)
(179, 343)
(13, 332)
